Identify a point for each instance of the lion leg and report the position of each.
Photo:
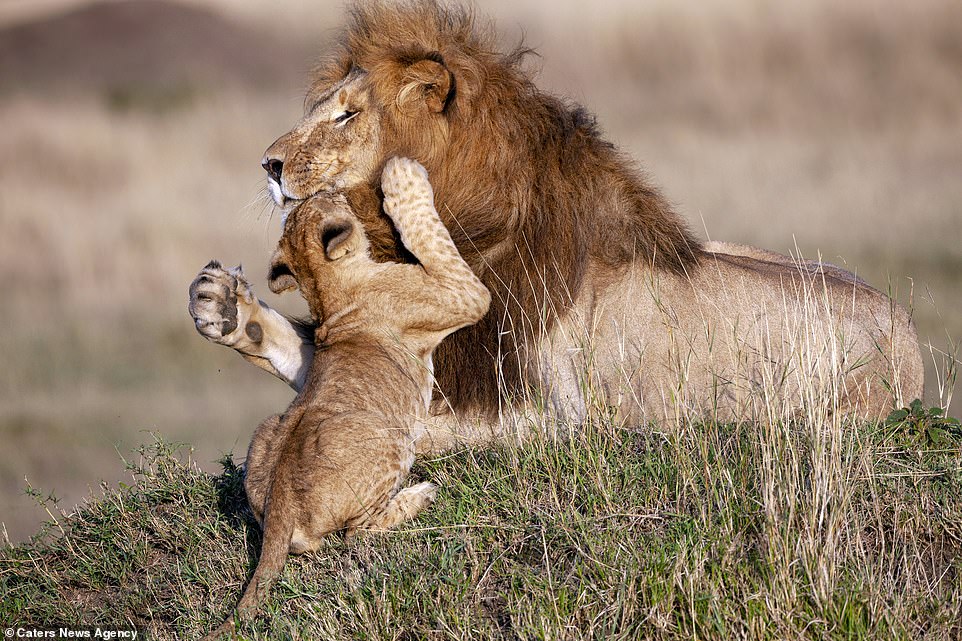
(444, 431)
(404, 506)
(893, 381)
(226, 312)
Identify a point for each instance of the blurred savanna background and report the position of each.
(131, 134)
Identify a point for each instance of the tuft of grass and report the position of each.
(929, 426)
(609, 533)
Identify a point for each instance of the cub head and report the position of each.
(322, 238)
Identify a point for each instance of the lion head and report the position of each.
(534, 198)
(333, 148)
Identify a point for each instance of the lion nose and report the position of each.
(273, 167)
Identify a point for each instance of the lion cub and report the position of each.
(337, 458)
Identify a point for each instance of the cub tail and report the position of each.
(278, 530)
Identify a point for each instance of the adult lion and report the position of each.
(601, 295)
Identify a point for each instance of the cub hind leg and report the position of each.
(404, 506)
(261, 461)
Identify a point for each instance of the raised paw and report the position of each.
(404, 183)
(221, 302)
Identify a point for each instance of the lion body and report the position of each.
(737, 339)
(598, 286)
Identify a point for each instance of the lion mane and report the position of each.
(531, 192)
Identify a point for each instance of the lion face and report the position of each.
(354, 122)
(334, 147)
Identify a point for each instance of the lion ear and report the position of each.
(280, 278)
(338, 238)
(429, 81)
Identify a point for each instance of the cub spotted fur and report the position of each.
(337, 458)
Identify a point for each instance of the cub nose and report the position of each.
(273, 167)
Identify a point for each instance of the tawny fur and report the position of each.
(339, 455)
(596, 281)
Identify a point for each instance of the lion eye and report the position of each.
(344, 117)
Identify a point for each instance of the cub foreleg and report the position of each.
(226, 312)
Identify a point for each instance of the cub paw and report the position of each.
(417, 497)
(221, 302)
(404, 182)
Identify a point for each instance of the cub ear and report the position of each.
(338, 238)
(280, 278)
(427, 80)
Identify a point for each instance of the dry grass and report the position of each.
(836, 129)
(761, 530)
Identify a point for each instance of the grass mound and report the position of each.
(707, 531)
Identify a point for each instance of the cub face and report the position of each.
(321, 237)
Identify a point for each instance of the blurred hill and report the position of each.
(157, 46)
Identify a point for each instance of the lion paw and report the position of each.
(221, 302)
(405, 183)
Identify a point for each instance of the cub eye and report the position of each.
(344, 117)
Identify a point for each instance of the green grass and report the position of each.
(609, 534)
